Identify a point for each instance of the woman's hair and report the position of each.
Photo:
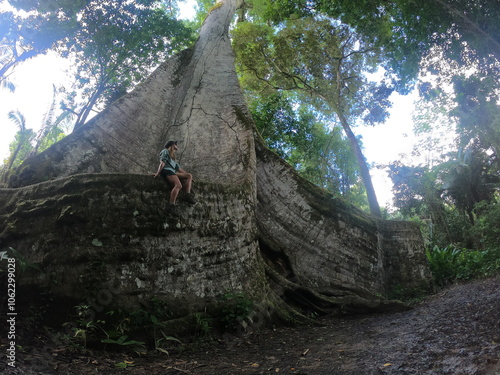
(170, 144)
(171, 152)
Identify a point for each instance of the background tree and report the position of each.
(114, 44)
(477, 110)
(319, 154)
(323, 63)
(21, 147)
(5, 55)
(53, 127)
(470, 178)
(417, 196)
(27, 143)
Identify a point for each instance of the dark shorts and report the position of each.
(167, 172)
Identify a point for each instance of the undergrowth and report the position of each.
(450, 264)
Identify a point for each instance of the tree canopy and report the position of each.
(406, 29)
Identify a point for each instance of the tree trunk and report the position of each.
(99, 231)
(87, 108)
(365, 171)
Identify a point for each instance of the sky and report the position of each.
(35, 78)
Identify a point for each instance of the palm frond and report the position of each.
(6, 84)
(18, 118)
(47, 122)
(5, 54)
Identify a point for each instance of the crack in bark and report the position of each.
(232, 126)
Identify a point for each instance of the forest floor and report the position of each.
(456, 331)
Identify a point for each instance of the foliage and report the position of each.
(450, 264)
(477, 109)
(24, 36)
(486, 230)
(319, 59)
(83, 328)
(234, 309)
(122, 341)
(158, 328)
(203, 323)
(415, 191)
(6, 54)
(469, 179)
(26, 143)
(320, 155)
(115, 47)
(22, 263)
(20, 147)
(120, 325)
(454, 200)
(408, 29)
(125, 364)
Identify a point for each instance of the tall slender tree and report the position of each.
(320, 154)
(322, 62)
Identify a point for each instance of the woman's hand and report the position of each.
(160, 167)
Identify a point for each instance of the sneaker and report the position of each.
(189, 198)
(173, 208)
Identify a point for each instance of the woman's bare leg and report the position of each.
(176, 187)
(187, 181)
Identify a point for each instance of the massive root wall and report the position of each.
(110, 237)
(111, 234)
(330, 247)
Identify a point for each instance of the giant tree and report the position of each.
(87, 211)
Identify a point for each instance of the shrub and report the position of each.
(450, 264)
(234, 308)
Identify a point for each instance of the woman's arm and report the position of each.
(160, 167)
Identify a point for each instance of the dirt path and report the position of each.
(454, 332)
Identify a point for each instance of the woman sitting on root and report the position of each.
(174, 174)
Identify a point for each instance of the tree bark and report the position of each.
(257, 227)
(365, 172)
